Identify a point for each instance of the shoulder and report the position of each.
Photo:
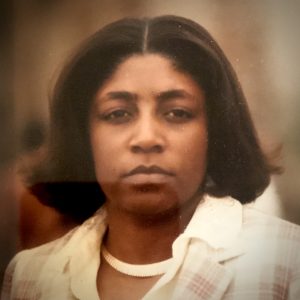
(269, 265)
(41, 253)
(263, 224)
(26, 266)
(270, 240)
(24, 269)
(63, 245)
(29, 266)
(60, 247)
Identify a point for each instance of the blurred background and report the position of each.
(260, 38)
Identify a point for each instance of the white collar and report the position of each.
(216, 221)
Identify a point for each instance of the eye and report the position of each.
(178, 115)
(117, 116)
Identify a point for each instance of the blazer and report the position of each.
(228, 251)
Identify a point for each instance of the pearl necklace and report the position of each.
(148, 270)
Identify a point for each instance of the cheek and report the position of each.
(195, 143)
(103, 152)
(195, 154)
(191, 164)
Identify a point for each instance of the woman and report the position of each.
(149, 123)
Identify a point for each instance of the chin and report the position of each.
(150, 204)
(150, 200)
(147, 214)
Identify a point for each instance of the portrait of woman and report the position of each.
(153, 150)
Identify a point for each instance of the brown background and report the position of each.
(260, 38)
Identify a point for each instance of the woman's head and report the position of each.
(235, 165)
(149, 137)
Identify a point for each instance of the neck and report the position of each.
(142, 239)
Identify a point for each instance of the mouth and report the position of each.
(144, 170)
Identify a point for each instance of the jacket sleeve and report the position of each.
(7, 286)
(294, 288)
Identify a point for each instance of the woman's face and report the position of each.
(148, 136)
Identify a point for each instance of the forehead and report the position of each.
(148, 73)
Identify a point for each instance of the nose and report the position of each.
(147, 136)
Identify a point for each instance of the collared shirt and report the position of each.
(204, 264)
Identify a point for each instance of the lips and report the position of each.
(148, 176)
(148, 171)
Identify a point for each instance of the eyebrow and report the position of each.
(161, 97)
(121, 95)
(172, 94)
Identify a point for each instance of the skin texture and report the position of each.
(148, 136)
(147, 114)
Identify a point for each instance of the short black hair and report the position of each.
(236, 166)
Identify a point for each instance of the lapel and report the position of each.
(76, 263)
(213, 235)
(203, 274)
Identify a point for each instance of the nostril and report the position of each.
(135, 149)
(158, 148)
(147, 149)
